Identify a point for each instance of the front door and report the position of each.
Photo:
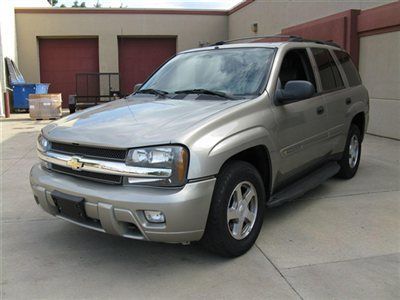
(302, 133)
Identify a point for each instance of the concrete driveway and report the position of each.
(340, 241)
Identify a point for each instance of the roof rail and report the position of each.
(256, 38)
(290, 38)
(300, 39)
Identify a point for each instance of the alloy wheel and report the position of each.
(354, 149)
(242, 210)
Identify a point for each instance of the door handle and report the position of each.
(320, 110)
(348, 101)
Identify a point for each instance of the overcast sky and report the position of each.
(189, 4)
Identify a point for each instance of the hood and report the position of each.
(134, 122)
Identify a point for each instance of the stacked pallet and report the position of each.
(45, 106)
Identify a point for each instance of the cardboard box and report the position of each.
(45, 106)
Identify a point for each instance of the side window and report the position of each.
(348, 67)
(328, 71)
(296, 66)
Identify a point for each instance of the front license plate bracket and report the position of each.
(70, 206)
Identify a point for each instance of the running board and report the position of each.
(305, 184)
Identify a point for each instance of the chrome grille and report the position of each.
(99, 177)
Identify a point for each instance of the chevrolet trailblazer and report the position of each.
(209, 141)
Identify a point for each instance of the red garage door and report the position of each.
(61, 59)
(139, 57)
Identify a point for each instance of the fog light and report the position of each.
(154, 216)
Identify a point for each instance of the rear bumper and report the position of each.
(118, 210)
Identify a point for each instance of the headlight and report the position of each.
(173, 159)
(42, 143)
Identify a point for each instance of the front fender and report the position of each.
(239, 141)
(206, 163)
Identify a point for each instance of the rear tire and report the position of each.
(72, 108)
(351, 155)
(236, 212)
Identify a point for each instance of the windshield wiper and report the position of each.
(153, 91)
(206, 92)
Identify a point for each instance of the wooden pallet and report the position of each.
(45, 118)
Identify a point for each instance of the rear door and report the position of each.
(302, 127)
(335, 95)
(353, 94)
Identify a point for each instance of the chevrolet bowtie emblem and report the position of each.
(75, 163)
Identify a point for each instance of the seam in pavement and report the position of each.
(280, 273)
(383, 137)
(348, 195)
(18, 160)
(340, 261)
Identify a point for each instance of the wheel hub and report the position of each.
(242, 210)
(354, 149)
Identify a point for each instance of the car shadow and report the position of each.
(274, 214)
(126, 252)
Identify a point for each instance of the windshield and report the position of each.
(236, 72)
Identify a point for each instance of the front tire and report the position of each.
(236, 212)
(351, 155)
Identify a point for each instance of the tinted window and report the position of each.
(296, 66)
(349, 68)
(328, 71)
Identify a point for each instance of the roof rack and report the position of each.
(257, 38)
(290, 38)
(300, 39)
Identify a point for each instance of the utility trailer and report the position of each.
(93, 89)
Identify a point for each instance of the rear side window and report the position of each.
(349, 68)
(328, 71)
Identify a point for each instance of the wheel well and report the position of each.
(257, 156)
(359, 120)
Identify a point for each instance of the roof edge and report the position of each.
(60, 10)
(239, 6)
(144, 11)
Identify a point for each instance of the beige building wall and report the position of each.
(380, 71)
(8, 39)
(8, 46)
(190, 30)
(272, 16)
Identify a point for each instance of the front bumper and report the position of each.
(118, 209)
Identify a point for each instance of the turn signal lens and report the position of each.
(181, 165)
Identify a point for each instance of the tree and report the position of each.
(98, 4)
(62, 5)
(77, 5)
(53, 2)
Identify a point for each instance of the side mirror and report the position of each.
(136, 87)
(294, 90)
